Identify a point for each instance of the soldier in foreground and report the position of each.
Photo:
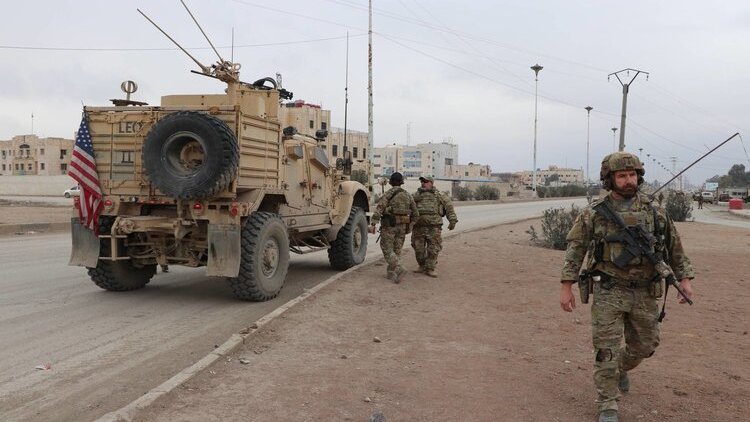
(395, 212)
(626, 286)
(426, 240)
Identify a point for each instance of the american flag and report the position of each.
(83, 170)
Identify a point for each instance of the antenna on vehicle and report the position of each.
(206, 70)
(223, 70)
(202, 31)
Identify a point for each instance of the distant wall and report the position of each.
(35, 185)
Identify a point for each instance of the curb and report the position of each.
(741, 213)
(19, 229)
(130, 411)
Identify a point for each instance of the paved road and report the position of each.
(718, 214)
(106, 349)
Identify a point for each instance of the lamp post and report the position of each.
(536, 68)
(614, 147)
(588, 138)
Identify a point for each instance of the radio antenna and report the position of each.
(205, 69)
(203, 32)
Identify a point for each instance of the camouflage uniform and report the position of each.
(395, 211)
(625, 300)
(426, 239)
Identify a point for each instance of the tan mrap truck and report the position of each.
(214, 181)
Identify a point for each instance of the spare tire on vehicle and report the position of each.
(190, 155)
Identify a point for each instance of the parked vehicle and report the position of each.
(74, 191)
(708, 197)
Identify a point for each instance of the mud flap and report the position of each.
(85, 250)
(224, 250)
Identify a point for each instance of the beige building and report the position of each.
(565, 176)
(31, 155)
(467, 171)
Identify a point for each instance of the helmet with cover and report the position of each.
(619, 161)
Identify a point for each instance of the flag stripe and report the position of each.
(82, 168)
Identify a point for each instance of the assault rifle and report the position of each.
(637, 242)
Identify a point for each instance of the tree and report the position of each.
(552, 178)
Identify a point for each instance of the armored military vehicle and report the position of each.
(214, 181)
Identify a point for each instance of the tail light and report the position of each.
(234, 209)
(198, 208)
(108, 204)
(77, 202)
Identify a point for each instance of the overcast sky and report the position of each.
(453, 69)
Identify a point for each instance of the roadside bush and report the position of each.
(464, 193)
(679, 206)
(556, 223)
(561, 191)
(486, 192)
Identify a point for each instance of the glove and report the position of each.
(371, 229)
(452, 225)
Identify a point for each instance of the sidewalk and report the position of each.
(486, 341)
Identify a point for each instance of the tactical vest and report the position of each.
(604, 252)
(430, 206)
(397, 205)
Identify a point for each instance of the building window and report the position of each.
(42, 166)
(126, 157)
(312, 124)
(63, 153)
(16, 167)
(29, 166)
(41, 151)
(335, 150)
(466, 173)
(448, 161)
(354, 152)
(364, 152)
(3, 167)
(323, 125)
(3, 153)
(64, 167)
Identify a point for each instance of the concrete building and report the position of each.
(426, 159)
(31, 155)
(565, 176)
(468, 171)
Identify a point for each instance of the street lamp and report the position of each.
(614, 148)
(536, 68)
(588, 136)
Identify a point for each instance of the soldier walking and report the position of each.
(626, 291)
(426, 240)
(395, 212)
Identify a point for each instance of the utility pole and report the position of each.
(536, 68)
(614, 147)
(408, 134)
(32, 122)
(370, 136)
(625, 89)
(346, 93)
(588, 138)
(640, 154)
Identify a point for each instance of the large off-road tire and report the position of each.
(117, 276)
(350, 246)
(265, 258)
(190, 155)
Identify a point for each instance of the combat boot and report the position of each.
(431, 273)
(398, 274)
(624, 383)
(420, 270)
(609, 415)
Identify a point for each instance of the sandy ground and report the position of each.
(486, 341)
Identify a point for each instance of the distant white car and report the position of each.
(74, 191)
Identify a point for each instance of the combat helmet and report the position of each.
(619, 161)
(397, 179)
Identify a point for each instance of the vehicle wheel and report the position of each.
(265, 258)
(67, 195)
(350, 246)
(191, 155)
(118, 276)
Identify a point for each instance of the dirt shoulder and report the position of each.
(19, 217)
(485, 341)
